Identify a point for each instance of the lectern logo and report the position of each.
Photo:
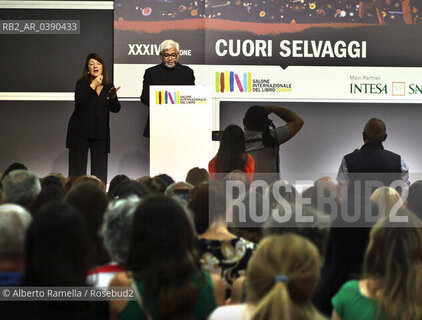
(226, 81)
(167, 97)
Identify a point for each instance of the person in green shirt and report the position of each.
(163, 267)
(392, 282)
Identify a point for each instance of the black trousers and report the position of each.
(78, 157)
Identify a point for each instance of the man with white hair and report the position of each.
(168, 72)
(14, 220)
(21, 187)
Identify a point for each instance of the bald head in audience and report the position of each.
(374, 131)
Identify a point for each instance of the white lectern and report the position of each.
(181, 121)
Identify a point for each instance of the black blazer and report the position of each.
(90, 119)
(161, 75)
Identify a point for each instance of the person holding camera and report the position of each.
(263, 139)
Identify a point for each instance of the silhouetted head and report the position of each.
(374, 131)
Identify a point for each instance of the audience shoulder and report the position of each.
(117, 306)
(120, 280)
(219, 289)
(232, 312)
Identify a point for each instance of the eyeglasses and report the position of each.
(173, 55)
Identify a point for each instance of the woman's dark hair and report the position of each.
(56, 247)
(156, 185)
(162, 256)
(197, 175)
(51, 180)
(114, 183)
(129, 188)
(208, 204)
(230, 155)
(414, 199)
(91, 201)
(167, 179)
(85, 73)
(48, 194)
(10, 168)
(256, 119)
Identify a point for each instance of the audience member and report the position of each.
(14, 220)
(363, 170)
(114, 183)
(56, 255)
(143, 179)
(283, 189)
(387, 200)
(167, 179)
(49, 193)
(414, 199)
(316, 231)
(89, 178)
(181, 190)
(12, 167)
(344, 261)
(130, 188)
(164, 271)
(21, 187)
(371, 163)
(91, 201)
(305, 221)
(391, 285)
(56, 248)
(156, 185)
(69, 183)
(238, 176)
(324, 196)
(196, 176)
(221, 251)
(263, 139)
(53, 179)
(2, 197)
(231, 155)
(282, 276)
(246, 210)
(115, 232)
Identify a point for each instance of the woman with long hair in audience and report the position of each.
(231, 155)
(163, 267)
(91, 202)
(56, 255)
(414, 198)
(115, 232)
(221, 252)
(282, 276)
(392, 284)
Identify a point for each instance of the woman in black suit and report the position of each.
(89, 126)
